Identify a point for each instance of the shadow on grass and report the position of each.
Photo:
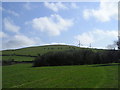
(116, 64)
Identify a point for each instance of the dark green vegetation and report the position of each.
(77, 57)
(82, 76)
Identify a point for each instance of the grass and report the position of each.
(34, 51)
(37, 50)
(17, 58)
(81, 76)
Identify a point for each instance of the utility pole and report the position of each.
(90, 45)
(79, 44)
(118, 43)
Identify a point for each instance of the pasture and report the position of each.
(78, 76)
(31, 51)
(34, 51)
(17, 58)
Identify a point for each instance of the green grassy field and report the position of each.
(17, 58)
(82, 76)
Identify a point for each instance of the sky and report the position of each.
(26, 24)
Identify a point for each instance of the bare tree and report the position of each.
(112, 46)
(118, 44)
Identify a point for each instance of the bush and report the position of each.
(7, 62)
(77, 57)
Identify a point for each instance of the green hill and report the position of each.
(34, 51)
(29, 53)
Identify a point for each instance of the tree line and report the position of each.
(77, 57)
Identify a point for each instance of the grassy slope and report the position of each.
(34, 51)
(18, 58)
(38, 50)
(84, 76)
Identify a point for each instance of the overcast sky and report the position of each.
(34, 24)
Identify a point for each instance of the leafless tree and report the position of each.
(112, 46)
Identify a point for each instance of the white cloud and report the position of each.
(52, 25)
(55, 6)
(106, 11)
(60, 6)
(85, 38)
(10, 26)
(12, 12)
(27, 6)
(87, 13)
(18, 41)
(3, 35)
(55, 43)
(74, 5)
(9, 11)
(97, 36)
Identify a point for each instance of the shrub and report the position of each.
(7, 62)
(77, 57)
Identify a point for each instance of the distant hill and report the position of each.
(28, 54)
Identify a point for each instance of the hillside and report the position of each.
(28, 54)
